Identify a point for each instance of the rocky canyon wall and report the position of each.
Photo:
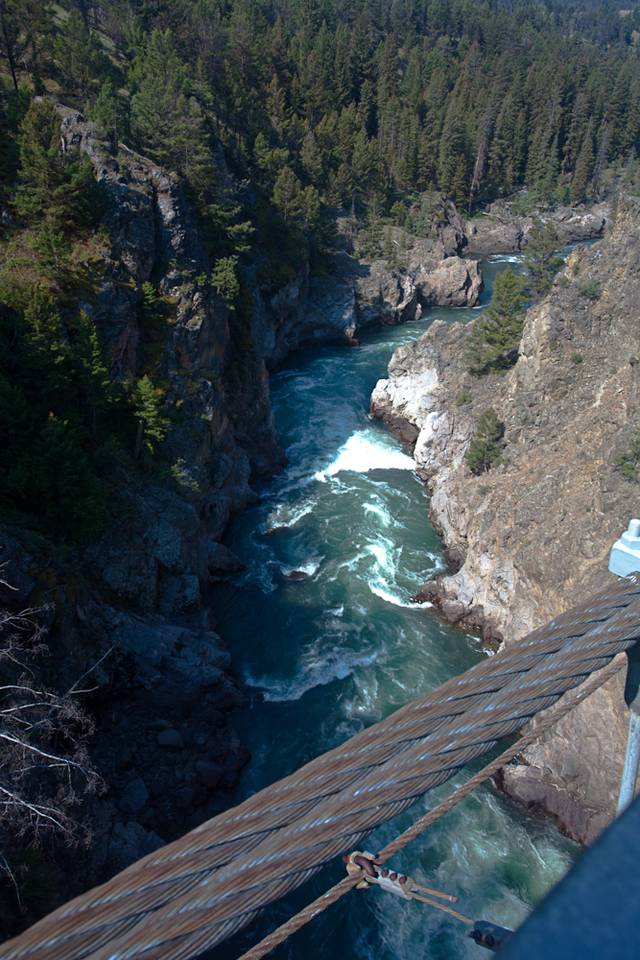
(531, 537)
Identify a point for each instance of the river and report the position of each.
(340, 646)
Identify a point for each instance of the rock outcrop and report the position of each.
(359, 292)
(501, 229)
(530, 537)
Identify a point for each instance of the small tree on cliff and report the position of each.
(152, 426)
(485, 449)
(495, 335)
(540, 257)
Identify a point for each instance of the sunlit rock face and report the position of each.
(530, 537)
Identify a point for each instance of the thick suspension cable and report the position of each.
(198, 890)
(548, 719)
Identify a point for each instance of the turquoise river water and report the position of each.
(324, 655)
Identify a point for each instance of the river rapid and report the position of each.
(324, 635)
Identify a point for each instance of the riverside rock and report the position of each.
(530, 538)
(502, 229)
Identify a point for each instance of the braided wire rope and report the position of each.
(338, 890)
(198, 890)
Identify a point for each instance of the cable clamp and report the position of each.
(364, 863)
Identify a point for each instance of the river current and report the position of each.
(324, 635)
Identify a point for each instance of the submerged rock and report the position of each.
(295, 575)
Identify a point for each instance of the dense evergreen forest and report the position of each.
(277, 115)
(285, 135)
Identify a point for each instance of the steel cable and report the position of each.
(198, 890)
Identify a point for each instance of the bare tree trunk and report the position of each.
(9, 47)
(481, 155)
(139, 435)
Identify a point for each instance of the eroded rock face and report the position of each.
(502, 230)
(531, 537)
(360, 293)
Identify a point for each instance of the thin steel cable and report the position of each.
(548, 720)
(195, 892)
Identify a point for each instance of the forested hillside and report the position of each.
(189, 190)
(276, 115)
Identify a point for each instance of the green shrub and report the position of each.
(577, 358)
(590, 289)
(224, 278)
(464, 397)
(487, 442)
(628, 462)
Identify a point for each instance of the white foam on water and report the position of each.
(317, 671)
(310, 568)
(288, 514)
(385, 594)
(383, 553)
(380, 512)
(365, 450)
(506, 258)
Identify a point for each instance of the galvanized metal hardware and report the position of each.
(624, 558)
(624, 561)
(632, 754)
(397, 883)
(372, 873)
(490, 935)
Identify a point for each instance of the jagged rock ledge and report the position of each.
(502, 229)
(531, 537)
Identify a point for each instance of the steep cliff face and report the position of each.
(531, 536)
(501, 229)
(360, 292)
(131, 602)
(128, 607)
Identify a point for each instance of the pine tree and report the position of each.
(270, 160)
(52, 186)
(584, 167)
(11, 45)
(107, 114)
(540, 257)
(166, 121)
(311, 158)
(152, 425)
(495, 335)
(287, 195)
(68, 493)
(487, 443)
(224, 278)
(94, 376)
(453, 158)
(49, 352)
(78, 56)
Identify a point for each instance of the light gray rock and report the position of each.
(502, 230)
